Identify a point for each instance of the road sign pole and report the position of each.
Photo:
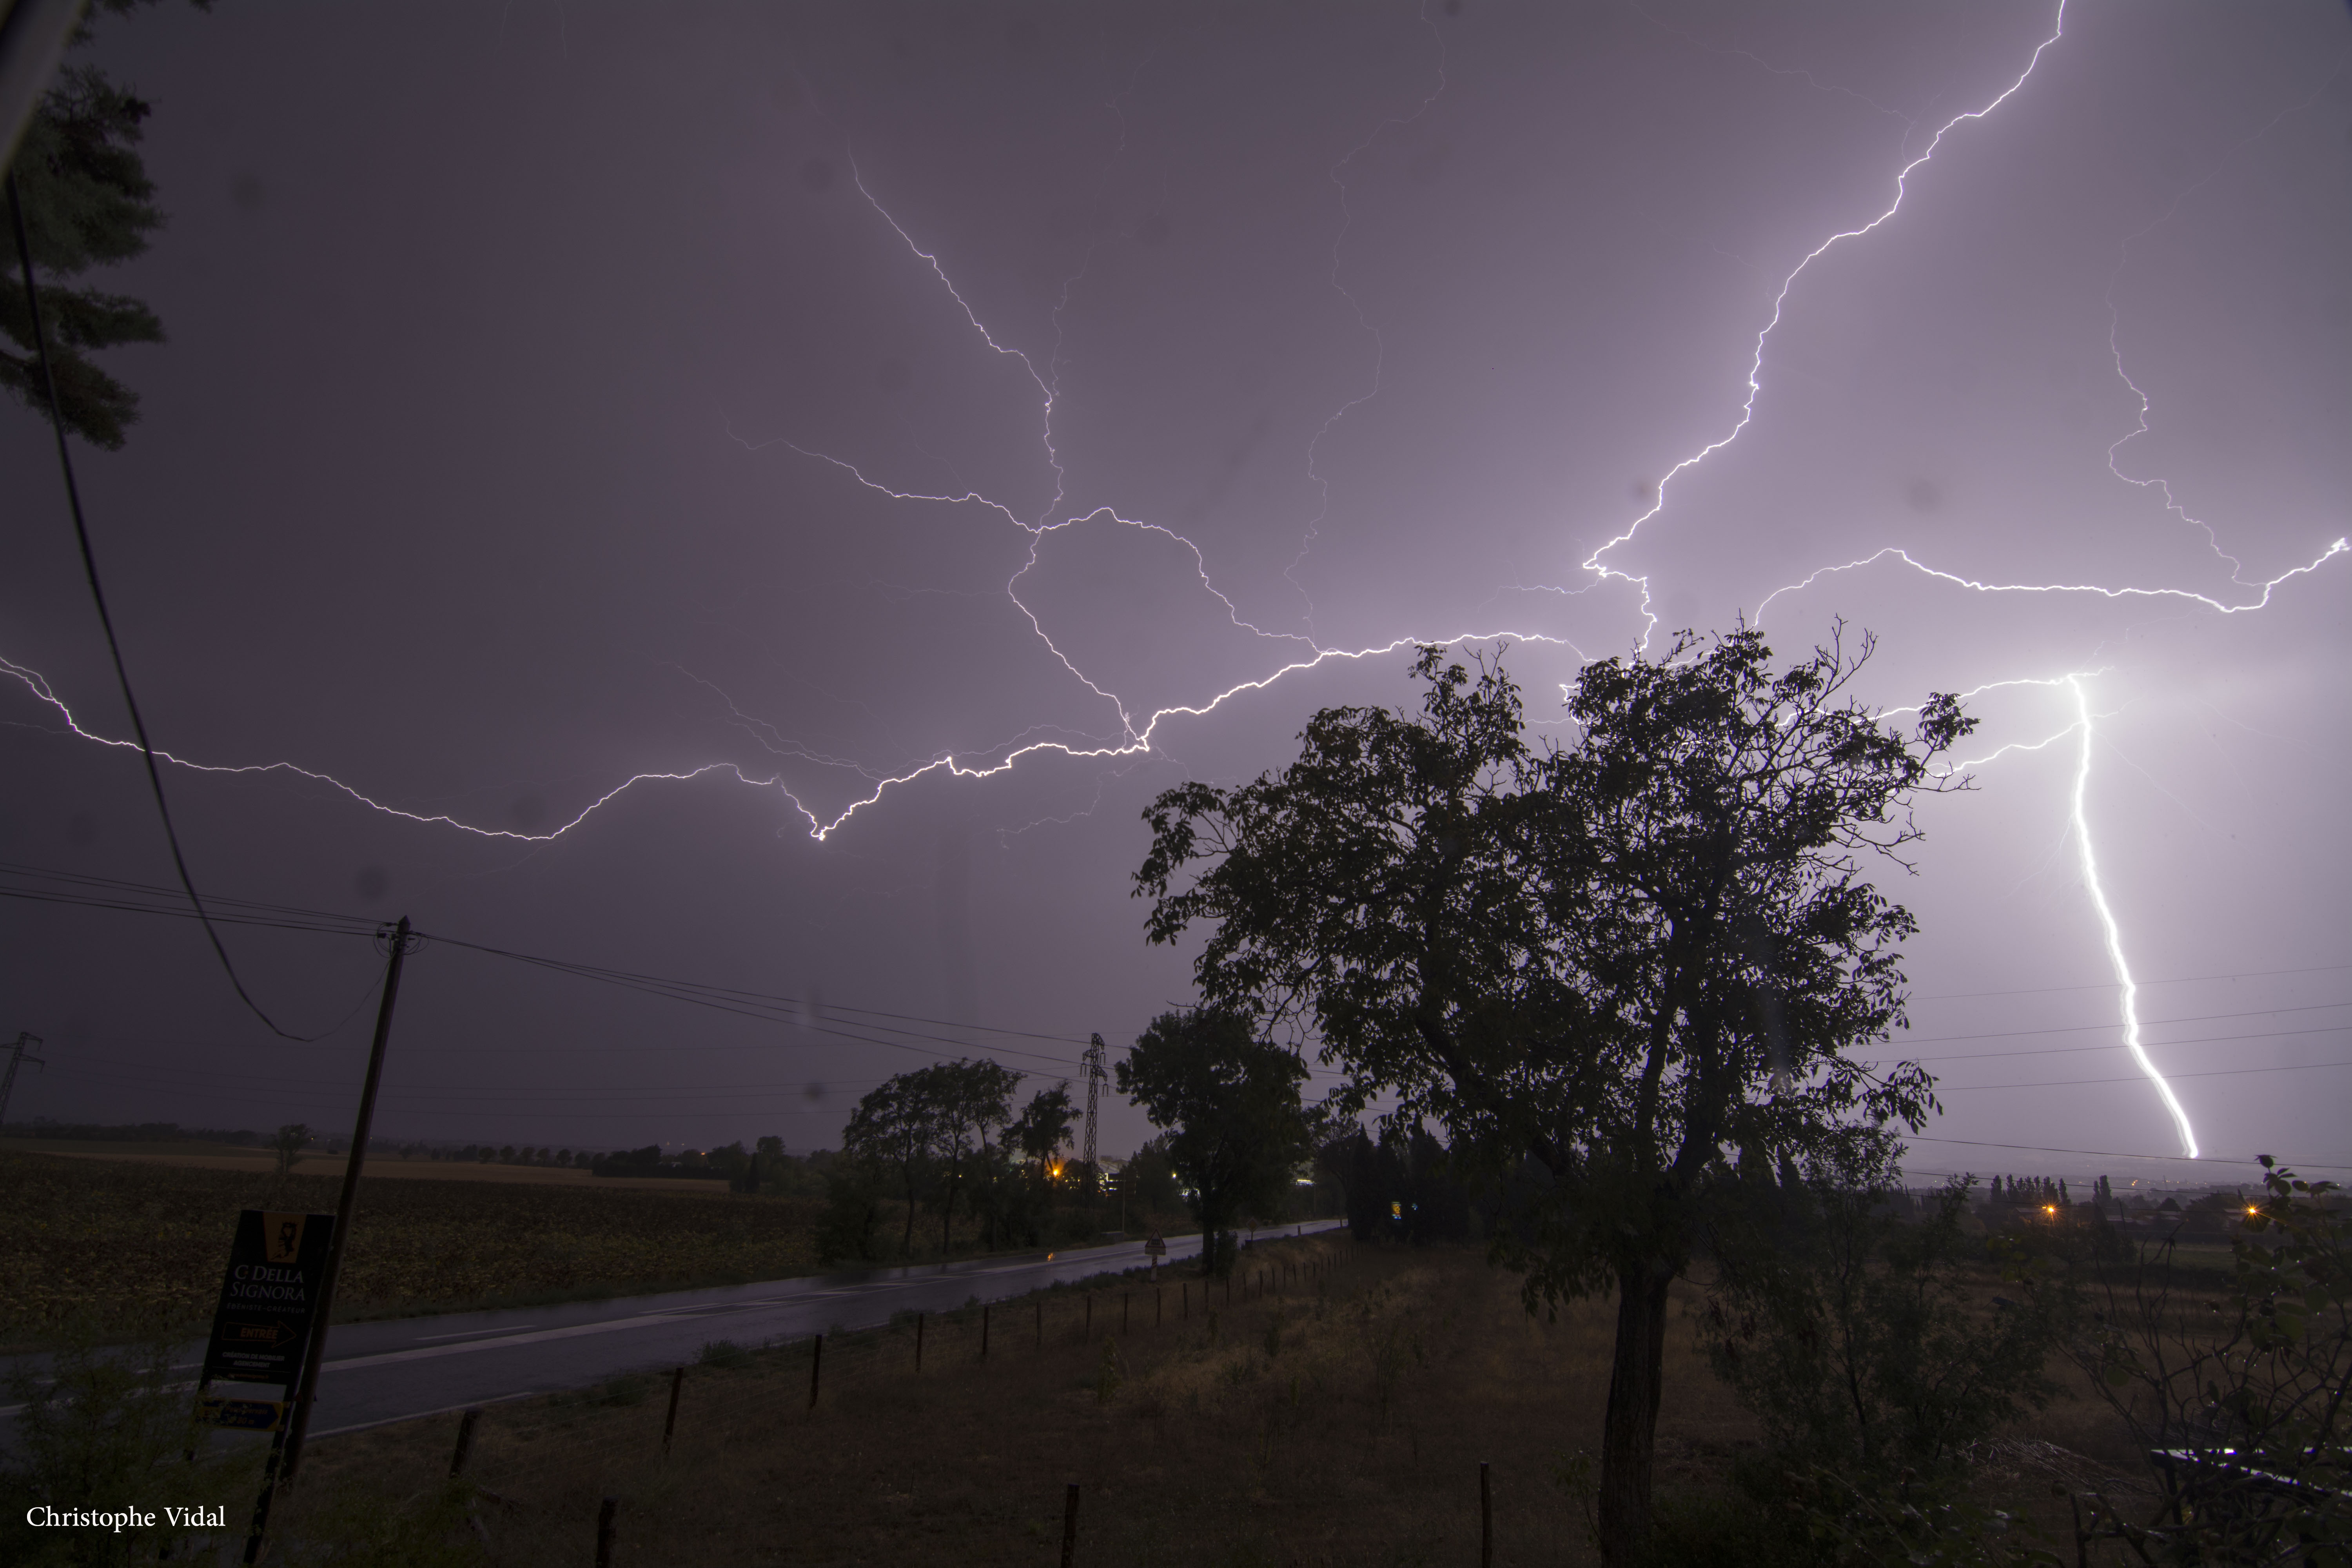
(299, 1424)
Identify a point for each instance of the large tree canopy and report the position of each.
(1624, 969)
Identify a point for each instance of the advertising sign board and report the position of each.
(267, 1304)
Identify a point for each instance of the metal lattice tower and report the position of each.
(20, 1056)
(1093, 1062)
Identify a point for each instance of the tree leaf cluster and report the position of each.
(86, 202)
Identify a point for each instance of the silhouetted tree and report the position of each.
(287, 1145)
(1229, 1103)
(87, 202)
(1044, 1124)
(1620, 964)
(895, 1127)
(969, 1098)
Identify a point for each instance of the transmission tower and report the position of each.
(21, 1055)
(1093, 1062)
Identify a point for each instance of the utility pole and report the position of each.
(22, 1053)
(402, 942)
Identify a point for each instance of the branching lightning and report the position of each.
(1593, 563)
(2261, 601)
(1135, 731)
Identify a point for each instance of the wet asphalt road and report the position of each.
(391, 1371)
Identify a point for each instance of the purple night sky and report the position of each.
(558, 394)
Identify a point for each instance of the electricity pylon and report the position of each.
(21, 1053)
(1093, 1062)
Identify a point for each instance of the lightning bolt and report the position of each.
(1593, 563)
(1136, 733)
(2113, 930)
(2261, 601)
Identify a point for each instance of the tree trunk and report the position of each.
(1629, 1429)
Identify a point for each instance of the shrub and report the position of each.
(1857, 1336)
(108, 1430)
(2243, 1388)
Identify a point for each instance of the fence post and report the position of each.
(1485, 1519)
(466, 1425)
(816, 1366)
(1070, 1526)
(669, 1427)
(1089, 1334)
(607, 1530)
(918, 1342)
(983, 1333)
(1040, 1305)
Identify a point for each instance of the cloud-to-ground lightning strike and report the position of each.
(2079, 825)
(2113, 932)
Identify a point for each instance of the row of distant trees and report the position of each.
(946, 1140)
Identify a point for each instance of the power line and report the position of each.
(106, 620)
(747, 1005)
(113, 893)
(2119, 1154)
(2074, 1082)
(2118, 1046)
(321, 918)
(2143, 985)
(2111, 1024)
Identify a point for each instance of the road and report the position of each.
(391, 1371)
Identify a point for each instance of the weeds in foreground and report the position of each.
(109, 1431)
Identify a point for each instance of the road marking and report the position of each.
(681, 1314)
(421, 1415)
(462, 1333)
(388, 1358)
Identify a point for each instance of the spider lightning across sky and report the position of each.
(963, 451)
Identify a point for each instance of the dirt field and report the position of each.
(137, 1246)
(1335, 1412)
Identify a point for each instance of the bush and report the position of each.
(2242, 1387)
(852, 1208)
(1857, 1336)
(109, 1431)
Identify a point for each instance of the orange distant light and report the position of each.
(2049, 1208)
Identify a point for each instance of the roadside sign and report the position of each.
(267, 1303)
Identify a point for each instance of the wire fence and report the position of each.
(550, 1465)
